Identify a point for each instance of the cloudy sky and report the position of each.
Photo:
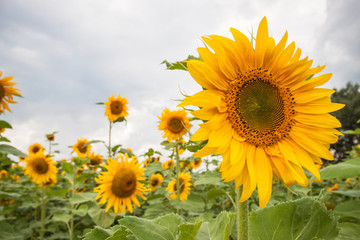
(67, 55)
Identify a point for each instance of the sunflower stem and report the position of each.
(43, 209)
(71, 229)
(242, 217)
(109, 146)
(177, 171)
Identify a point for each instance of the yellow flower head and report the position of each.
(116, 108)
(95, 159)
(172, 123)
(155, 180)
(185, 164)
(80, 149)
(120, 185)
(185, 184)
(50, 137)
(40, 168)
(261, 113)
(196, 163)
(334, 187)
(2, 130)
(3, 173)
(168, 164)
(6, 93)
(36, 147)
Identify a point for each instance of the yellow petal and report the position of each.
(264, 176)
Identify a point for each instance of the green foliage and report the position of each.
(179, 65)
(302, 219)
(347, 169)
(7, 149)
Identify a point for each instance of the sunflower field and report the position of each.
(259, 166)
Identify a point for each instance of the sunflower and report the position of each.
(95, 159)
(50, 137)
(116, 108)
(155, 180)
(263, 113)
(6, 92)
(168, 164)
(185, 184)
(3, 174)
(185, 164)
(196, 163)
(120, 185)
(80, 149)
(40, 168)
(334, 187)
(36, 147)
(2, 130)
(174, 124)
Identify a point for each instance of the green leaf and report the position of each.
(82, 197)
(4, 139)
(194, 203)
(67, 167)
(7, 149)
(4, 124)
(9, 194)
(154, 210)
(122, 233)
(349, 193)
(348, 209)
(144, 229)
(123, 151)
(302, 219)
(188, 231)
(81, 210)
(214, 193)
(208, 178)
(349, 231)
(61, 217)
(179, 65)
(217, 229)
(98, 233)
(91, 142)
(8, 232)
(349, 168)
(153, 168)
(100, 217)
(352, 132)
(170, 222)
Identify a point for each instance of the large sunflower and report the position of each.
(40, 168)
(173, 122)
(185, 184)
(262, 113)
(120, 185)
(155, 180)
(116, 108)
(36, 147)
(6, 92)
(80, 149)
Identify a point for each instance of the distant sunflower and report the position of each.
(50, 137)
(40, 168)
(6, 92)
(95, 159)
(155, 180)
(116, 108)
(168, 164)
(2, 130)
(196, 163)
(120, 185)
(80, 149)
(3, 173)
(185, 184)
(262, 112)
(36, 147)
(185, 164)
(173, 122)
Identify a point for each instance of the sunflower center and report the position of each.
(2, 92)
(95, 161)
(82, 148)
(40, 166)
(36, 149)
(124, 183)
(116, 107)
(259, 109)
(175, 125)
(154, 182)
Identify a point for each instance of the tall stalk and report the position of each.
(242, 217)
(177, 171)
(73, 188)
(43, 213)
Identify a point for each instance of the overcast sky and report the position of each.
(67, 55)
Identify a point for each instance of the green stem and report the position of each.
(109, 147)
(43, 213)
(71, 228)
(177, 171)
(242, 218)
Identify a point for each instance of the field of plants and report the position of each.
(258, 167)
